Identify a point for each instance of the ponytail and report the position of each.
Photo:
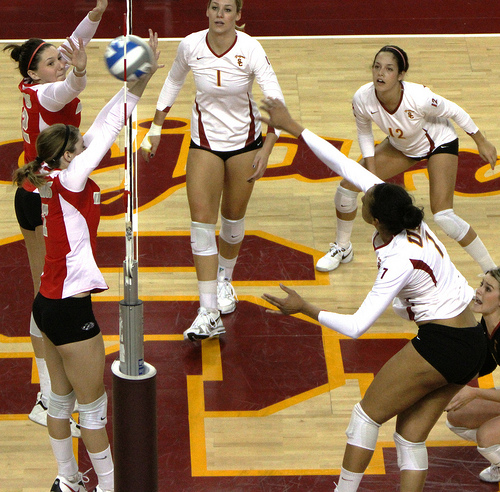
(29, 172)
(51, 144)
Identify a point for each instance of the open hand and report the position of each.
(291, 304)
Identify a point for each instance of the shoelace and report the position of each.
(84, 478)
(335, 248)
(207, 318)
(226, 289)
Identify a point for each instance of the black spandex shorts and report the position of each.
(28, 209)
(447, 148)
(256, 144)
(457, 353)
(67, 320)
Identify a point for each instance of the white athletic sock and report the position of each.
(479, 252)
(348, 481)
(43, 375)
(492, 453)
(63, 452)
(208, 293)
(344, 231)
(104, 469)
(226, 268)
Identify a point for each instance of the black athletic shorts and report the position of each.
(67, 320)
(447, 148)
(28, 207)
(256, 144)
(457, 353)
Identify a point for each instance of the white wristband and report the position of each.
(155, 130)
(78, 73)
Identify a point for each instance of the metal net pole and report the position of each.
(131, 307)
(135, 439)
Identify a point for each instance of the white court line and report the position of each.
(284, 38)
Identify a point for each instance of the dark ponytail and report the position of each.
(27, 55)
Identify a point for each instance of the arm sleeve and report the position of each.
(84, 31)
(54, 96)
(174, 81)
(339, 163)
(266, 78)
(98, 141)
(388, 284)
(364, 128)
(438, 106)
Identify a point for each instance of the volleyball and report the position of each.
(138, 53)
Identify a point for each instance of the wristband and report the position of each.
(78, 73)
(154, 130)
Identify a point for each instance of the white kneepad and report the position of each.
(94, 415)
(61, 407)
(232, 231)
(463, 432)
(346, 201)
(362, 431)
(411, 455)
(203, 241)
(452, 224)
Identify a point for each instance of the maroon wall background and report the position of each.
(177, 18)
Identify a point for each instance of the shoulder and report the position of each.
(193, 39)
(417, 90)
(245, 42)
(364, 92)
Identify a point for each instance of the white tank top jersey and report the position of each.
(416, 127)
(224, 114)
(71, 210)
(415, 273)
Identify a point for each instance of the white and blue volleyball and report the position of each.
(139, 55)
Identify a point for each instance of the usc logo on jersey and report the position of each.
(410, 114)
(239, 60)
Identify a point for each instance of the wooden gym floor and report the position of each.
(265, 407)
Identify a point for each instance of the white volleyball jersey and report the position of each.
(71, 210)
(416, 274)
(224, 114)
(419, 124)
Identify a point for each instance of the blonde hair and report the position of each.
(50, 146)
(239, 8)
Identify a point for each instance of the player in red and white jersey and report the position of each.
(416, 274)
(417, 124)
(74, 347)
(50, 95)
(227, 153)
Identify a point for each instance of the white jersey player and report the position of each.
(416, 272)
(74, 347)
(417, 124)
(227, 152)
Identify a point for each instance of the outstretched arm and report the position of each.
(95, 14)
(279, 117)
